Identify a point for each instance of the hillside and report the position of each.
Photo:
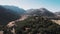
(32, 21)
(40, 12)
(58, 13)
(15, 9)
(37, 25)
(9, 13)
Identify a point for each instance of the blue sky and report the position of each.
(52, 5)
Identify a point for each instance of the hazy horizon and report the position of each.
(52, 5)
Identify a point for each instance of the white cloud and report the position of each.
(9, 2)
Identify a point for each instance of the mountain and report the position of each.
(15, 9)
(57, 13)
(9, 13)
(37, 25)
(40, 12)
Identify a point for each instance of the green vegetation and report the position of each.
(37, 25)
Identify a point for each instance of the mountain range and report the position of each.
(11, 13)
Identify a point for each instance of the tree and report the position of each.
(38, 25)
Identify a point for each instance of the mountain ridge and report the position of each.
(7, 14)
(41, 11)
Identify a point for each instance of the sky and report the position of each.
(52, 5)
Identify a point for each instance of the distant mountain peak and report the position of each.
(41, 11)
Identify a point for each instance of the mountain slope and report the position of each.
(15, 9)
(9, 14)
(58, 13)
(40, 12)
(37, 25)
